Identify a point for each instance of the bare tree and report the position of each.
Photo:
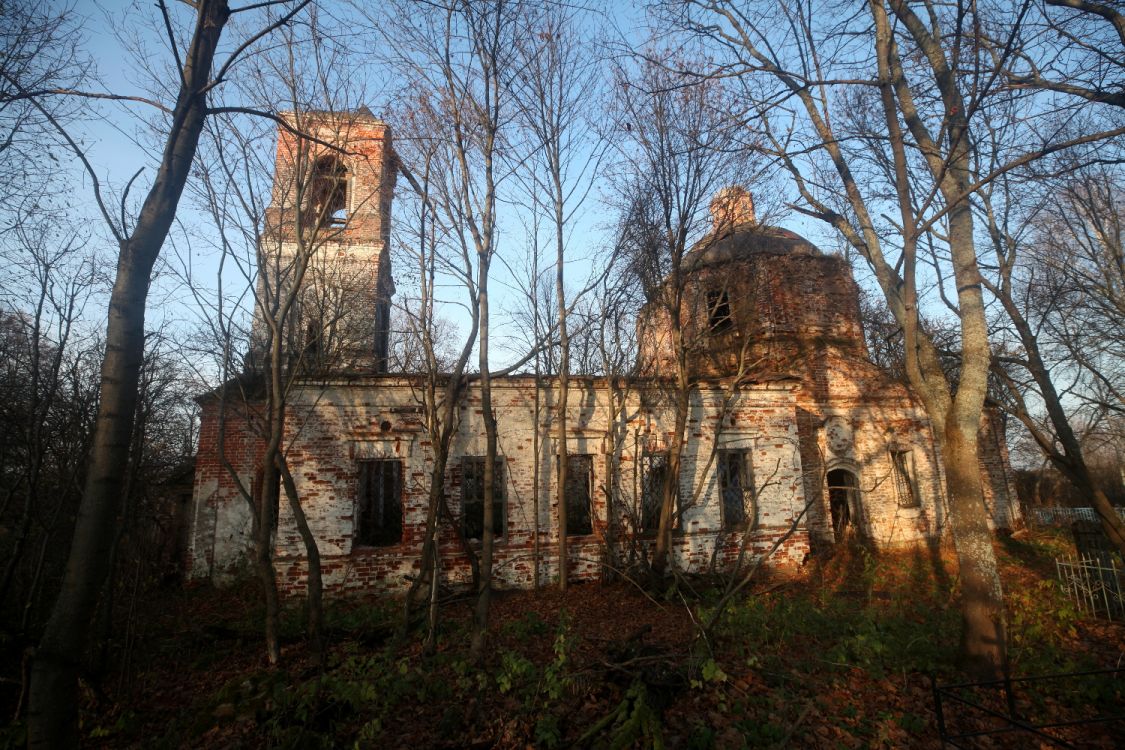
(53, 703)
(407, 352)
(288, 229)
(148, 537)
(533, 316)
(434, 254)
(1070, 47)
(462, 56)
(681, 143)
(553, 95)
(39, 339)
(921, 94)
(1059, 259)
(1080, 239)
(607, 344)
(39, 53)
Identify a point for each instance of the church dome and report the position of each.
(744, 242)
(736, 234)
(753, 293)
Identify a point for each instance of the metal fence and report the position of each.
(977, 714)
(1094, 583)
(1067, 516)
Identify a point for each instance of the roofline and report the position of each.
(362, 114)
(253, 382)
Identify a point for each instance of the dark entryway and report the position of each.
(842, 491)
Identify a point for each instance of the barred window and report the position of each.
(379, 504)
(654, 473)
(579, 494)
(472, 497)
(906, 486)
(733, 485)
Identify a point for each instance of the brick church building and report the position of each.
(789, 421)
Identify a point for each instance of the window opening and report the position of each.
(379, 505)
(654, 474)
(732, 488)
(906, 486)
(842, 493)
(382, 334)
(472, 497)
(328, 192)
(312, 343)
(579, 485)
(718, 310)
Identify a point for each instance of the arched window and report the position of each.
(718, 311)
(327, 193)
(843, 496)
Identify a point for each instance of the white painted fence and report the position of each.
(1094, 584)
(1066, 516)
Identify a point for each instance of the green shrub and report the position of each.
(526, 627)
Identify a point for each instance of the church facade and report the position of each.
(793, 437)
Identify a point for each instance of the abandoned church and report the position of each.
(793, 438)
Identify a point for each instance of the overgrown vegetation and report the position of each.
(842, 657)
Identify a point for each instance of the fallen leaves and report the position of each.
(825, 662)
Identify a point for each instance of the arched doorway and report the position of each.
(843, 497)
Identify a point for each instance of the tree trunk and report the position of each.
(671, 488)
(104, 615)
(535, 470)
(314, 584)
(52, 715)
(983, 638)
(982, 615)
(429, 561)
(484, 599)
(1111, 522)
(561, 459)
(428, 540)
(429, 647)
(560, 428)
(263, 554)
(53, 707)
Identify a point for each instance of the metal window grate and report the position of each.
(732, 472)
(906, 488)
(579, 480)
(472, 497)
(652, 490)
(379, 505)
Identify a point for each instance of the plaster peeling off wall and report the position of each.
(232, 540)
(201, 537)
(220, 543)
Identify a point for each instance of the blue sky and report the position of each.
(120, 142)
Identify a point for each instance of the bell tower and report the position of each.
(324, 247)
